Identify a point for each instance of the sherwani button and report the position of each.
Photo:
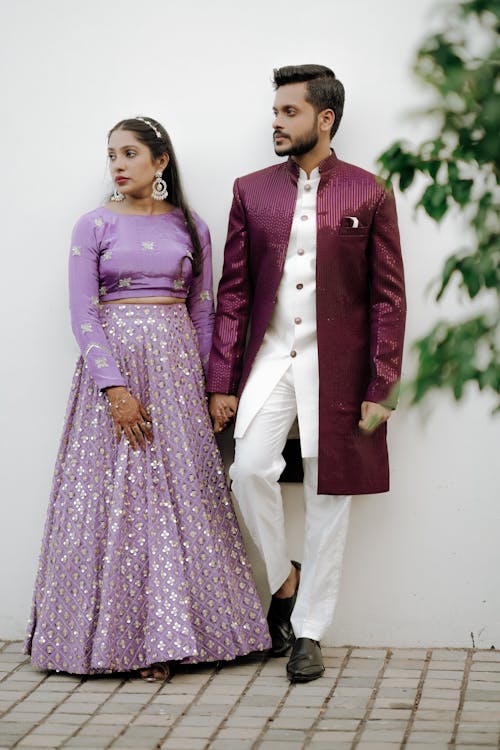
(299, 286)
(293, 353)
(298, 320)
(300, 251)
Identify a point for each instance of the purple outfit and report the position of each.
(115, 256)
(142, 559)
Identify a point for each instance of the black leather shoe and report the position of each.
(306, 662)
(278, 620)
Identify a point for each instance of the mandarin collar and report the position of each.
(326, 166)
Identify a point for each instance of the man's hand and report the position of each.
(372, 416)
(222, 409)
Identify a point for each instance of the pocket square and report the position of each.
(351, 222)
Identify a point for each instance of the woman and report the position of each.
(142, 560)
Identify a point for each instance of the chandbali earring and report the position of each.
(160, 191)
(117, 196)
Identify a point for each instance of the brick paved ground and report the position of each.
(369, 699)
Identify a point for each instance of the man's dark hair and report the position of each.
(324, 90)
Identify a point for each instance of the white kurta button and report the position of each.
(304, 218)
(300, 251)
(299, 286)
(293, 353)
(307, 186)
(297, 321)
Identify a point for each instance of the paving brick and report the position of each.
(487, 656)
(50, 741)
(487, 706)
(338, 725)
(418, 745)
(328, 736)
(406, 694)
(181, 743)
(259, 711)
(298, 722)
(87, 743)
(455, 665)
(189, 731)
(117, 719)
(440, 693)
(428, 737)
(383, 735)
(433, 725)
(237, 733)
(120, 697)
(156, 721)
(282, 735)
(484, 666)
(385, 713)
(250, 722)
(437, 703)
(478, 738)
(343, 712)
(404, 682)
(394, 703)
(369, 653)
(229, 744)
(435, 714)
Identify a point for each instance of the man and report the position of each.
(309, 324)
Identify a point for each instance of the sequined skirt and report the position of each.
(142, 559)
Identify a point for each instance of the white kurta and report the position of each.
(290, 339)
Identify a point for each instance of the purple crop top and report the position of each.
(115, 256)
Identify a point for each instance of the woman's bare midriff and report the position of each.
(146, 301)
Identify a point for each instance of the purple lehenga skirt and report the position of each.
(142, 559)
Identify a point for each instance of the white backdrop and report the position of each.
(422, 561)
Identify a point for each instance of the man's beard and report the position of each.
(301, 145)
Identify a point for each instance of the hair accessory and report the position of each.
(160, 191)
(117, 196)
(147, 122)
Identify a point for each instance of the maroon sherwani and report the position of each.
(360, 306)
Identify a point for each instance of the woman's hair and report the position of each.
(153, 135)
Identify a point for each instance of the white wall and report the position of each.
(422, 561)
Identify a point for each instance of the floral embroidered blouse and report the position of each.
(115, 256)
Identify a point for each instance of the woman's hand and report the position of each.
(129, 416)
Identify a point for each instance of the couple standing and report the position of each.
(142, 562)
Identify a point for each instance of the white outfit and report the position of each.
(290, 339)
(283, 385)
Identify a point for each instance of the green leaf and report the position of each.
(406, 177)
(460, 191)
(435, 201)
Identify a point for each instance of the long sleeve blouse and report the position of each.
(114, 256)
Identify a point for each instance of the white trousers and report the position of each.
(258, 464)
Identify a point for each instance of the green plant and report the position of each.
(461, 170)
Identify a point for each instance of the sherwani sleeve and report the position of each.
(387, 304)
(233, 305)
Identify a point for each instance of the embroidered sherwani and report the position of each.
(360, 306)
